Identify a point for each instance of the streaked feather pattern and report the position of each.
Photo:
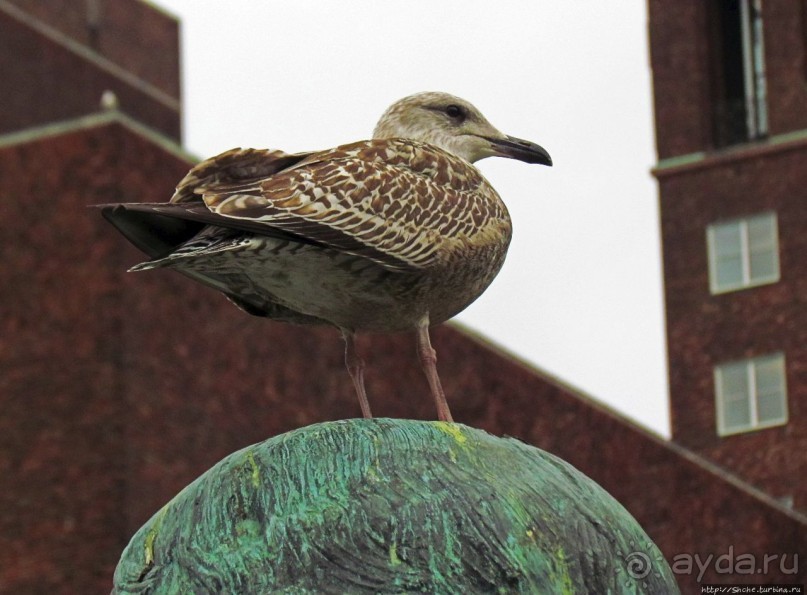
(356, 198)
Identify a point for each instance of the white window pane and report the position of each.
(729, 271)
(727, 240)
(761, 232)
(770, 374)
(751, 393)
(734, 381)
(769, 378)
(726, 256)
(771, 407)
(743, 252)
(763, 252)
(733, 394)
(736, 415)
(763, 265)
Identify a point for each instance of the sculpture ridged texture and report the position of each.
(392, 506)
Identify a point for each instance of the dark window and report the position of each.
(741, 112)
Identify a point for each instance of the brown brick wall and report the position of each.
(704, 330)
(119, 389)
(135, 35)
(44, 81)
(785, 58)
(63, 453)
(681, 58)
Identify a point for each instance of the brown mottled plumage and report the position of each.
(395, 233)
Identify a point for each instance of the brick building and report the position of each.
(74, 51)
(118, 389)
(730, 82)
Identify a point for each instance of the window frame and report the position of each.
(739, 72)
(752, 396)
(747, 280)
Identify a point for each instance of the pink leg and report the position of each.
(428, 360)
(355, 367)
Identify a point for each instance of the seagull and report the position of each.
(397, 233)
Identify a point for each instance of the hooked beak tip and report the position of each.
(520, 149)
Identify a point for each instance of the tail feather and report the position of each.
(209, 241)
(155, 234)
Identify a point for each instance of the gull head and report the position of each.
(455, 126)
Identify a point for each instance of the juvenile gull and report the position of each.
(396, 233)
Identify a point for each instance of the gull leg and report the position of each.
(355, 367)
(428, 360)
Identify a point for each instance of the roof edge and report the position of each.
(96, 120)
(706, 465)
(162, 10)
(688, 162)
(86, 53)
(555, 380)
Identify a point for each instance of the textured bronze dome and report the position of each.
(392, 506)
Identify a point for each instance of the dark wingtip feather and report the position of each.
(155, 234)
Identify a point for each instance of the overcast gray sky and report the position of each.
(580, 295)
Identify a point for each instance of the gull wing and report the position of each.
(233, 166)
(159, 228)
(394, 201)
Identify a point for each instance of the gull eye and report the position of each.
(455, 112)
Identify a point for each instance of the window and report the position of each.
(741, 112)
(751, 394)
(743, 253)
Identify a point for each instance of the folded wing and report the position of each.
(393, 201)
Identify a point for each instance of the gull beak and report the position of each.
(517, 148)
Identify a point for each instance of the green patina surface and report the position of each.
(391, 506)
